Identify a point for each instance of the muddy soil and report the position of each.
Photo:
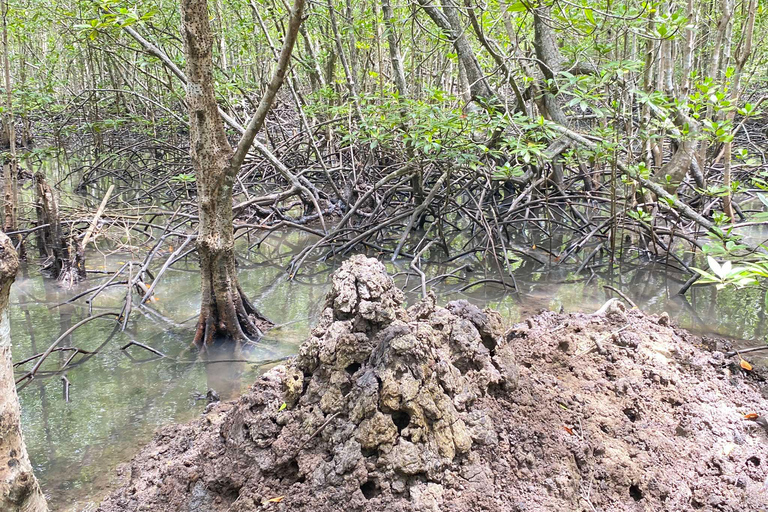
(443, 409)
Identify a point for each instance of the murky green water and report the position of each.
(117, 401)
(118, 398)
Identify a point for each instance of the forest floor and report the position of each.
(444, 409)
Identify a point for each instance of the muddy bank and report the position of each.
(442, 409)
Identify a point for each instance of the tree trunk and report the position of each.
(351, 85)
(448, 21)
(316, 75)
(19, 490)
(743, 51)
(494, 50)
(67, 257)
(225, 312)
(394, 49)
(11, 167)
(550, 62)
(689, 48)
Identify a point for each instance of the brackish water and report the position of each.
(117, 398)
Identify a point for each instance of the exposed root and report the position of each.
(236, 320)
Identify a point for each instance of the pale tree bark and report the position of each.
(653, 156)
(689, 48)
(550, 63)
(219, 10)
(316, 75)
(464, 88)
(402, 91)
(673, 172)
(379, 52)
(743, 51)
(686, 144)
(348, 73)
(10, 167)
(717, 59)
(19, 490)
(225, 311)
(448, 20)
(685, 130)
(667, 64)
(495, 51)
(353, 52)
(394, 49)
(716, 68)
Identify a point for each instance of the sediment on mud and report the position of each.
(440, 409)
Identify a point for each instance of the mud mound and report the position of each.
(423, 410)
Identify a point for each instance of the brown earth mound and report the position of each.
(423, 410)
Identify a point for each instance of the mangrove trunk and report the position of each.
(225, 312)
(19, 490)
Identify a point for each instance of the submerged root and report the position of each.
(66, 257)
(71, 271)
(235, 320)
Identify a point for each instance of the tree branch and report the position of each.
(248, 134)
(257, 121)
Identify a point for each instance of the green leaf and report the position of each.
(590, 16)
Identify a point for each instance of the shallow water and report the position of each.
(118, 398)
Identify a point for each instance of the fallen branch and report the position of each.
(31, 373)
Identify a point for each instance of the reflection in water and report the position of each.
(118, 399)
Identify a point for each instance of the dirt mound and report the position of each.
(387, 409)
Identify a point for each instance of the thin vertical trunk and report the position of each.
(493, 48)
(550, 63)
(743, 51)
(649, 146)
(667, 66)
(93, 110)
(379, 53)
(402, 91)
(394, 49)
(10, 167)
(415, 57)
(353, 52)
(19, 490)
(688, 48)
(351, 85)
(448, 20)
(316, 73)
(716, 65)
(222, 39)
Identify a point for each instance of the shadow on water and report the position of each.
(118, 399)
